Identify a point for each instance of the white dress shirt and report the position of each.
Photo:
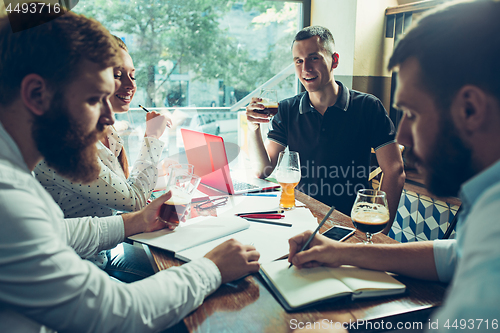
(111, 191)
(472, 302)
(43, 280)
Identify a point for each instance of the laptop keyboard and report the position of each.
(239, 186)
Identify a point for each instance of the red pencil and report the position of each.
(263, 216)
(278, 211)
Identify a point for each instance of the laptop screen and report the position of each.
(207, 154)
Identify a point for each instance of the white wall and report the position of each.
(372, 49)
(358, 27)
(340, 17)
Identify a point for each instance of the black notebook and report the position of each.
(299, 288)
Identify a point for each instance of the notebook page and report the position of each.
(368, 283)
(264, 243)
(192, 233)
(303, 286)
(270, 240)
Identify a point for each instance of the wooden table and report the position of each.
(248, 306)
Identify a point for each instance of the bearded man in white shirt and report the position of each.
(55, 82)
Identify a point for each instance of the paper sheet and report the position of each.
(270, 240)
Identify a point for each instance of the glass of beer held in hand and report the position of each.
(288, 176)
(182, 187)
(269, 98)
(370, 213)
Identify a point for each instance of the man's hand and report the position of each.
(145, 220)
(234, 259)
(254, 118)
(156, 124)
(322, 251)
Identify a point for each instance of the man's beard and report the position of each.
(64, 145)
(449, 164)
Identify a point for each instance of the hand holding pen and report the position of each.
(156, 123)
(169, 121)
(293, 251)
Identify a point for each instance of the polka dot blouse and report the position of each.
(111, 191)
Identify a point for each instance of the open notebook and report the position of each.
(299, 288)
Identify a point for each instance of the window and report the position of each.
(200, 56)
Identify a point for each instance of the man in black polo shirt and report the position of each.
(333, 129)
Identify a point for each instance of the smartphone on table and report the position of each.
(339, 233)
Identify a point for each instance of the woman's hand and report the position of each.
(156, 124)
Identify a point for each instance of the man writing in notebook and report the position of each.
(333, 129)
(449, 90)
(56, 80)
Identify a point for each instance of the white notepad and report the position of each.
(193, 233)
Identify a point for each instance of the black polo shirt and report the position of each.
(335, 148)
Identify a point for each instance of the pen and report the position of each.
(169, 121)
(263, 216)
(261, 195)
(284, 224)
(278, 211)
(315, 231)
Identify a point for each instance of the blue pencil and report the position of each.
(261, 195)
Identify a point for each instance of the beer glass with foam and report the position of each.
(288, 176)
(270, 101)
(370, 212)
(182, 187)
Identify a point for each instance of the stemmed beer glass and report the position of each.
(288, 176)
(370, 212)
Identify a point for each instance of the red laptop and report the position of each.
(207, 153)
